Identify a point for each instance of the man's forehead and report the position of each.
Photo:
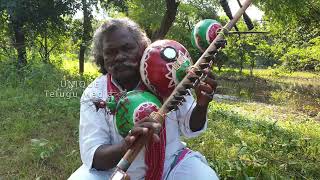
(109, 43)
(119, 31)
(110, 39)
(118, 38)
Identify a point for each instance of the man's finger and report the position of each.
(209, 73)
(155, 126)
(205, 88)
(148, 119)
(136, 131)
(156, 138)
(129, 140)
(211, 82)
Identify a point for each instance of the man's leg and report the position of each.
(192, 167)
(84, 173)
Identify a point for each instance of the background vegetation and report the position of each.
(264, 123)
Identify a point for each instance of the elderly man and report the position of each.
(118, 48)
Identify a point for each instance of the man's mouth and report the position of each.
(121, 68)
(124, 66)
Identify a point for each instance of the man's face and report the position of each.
(122, 54)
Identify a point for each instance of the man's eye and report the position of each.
(106, 59)
(128, 47)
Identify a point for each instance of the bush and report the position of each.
(305, 59)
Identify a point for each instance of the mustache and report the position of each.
(124, 64)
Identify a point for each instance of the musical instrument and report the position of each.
(189, 81)
(163, 65)
(132, 107)
(204, 32)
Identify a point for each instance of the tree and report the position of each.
(190, 13)
(6, 49)
(167, 20)
(118, 5)
(245, 50)
(220, 59)
(250, 48)
(27, 17)
(13, 8)
(292, 12)
(86, 33)
(147, 13)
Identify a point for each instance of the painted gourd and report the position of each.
(132, 107)
(204, 32)
(163, 65)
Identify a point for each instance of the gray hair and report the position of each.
(109, 26)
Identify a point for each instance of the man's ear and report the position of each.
(103, 70)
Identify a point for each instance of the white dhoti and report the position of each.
(192, 167)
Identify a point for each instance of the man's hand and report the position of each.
(107, 156)
(204, 92)
(143, 127)
(206, 89)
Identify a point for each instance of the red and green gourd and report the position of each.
(132, 107)
(204, 32)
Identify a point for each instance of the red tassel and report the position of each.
(155, 156)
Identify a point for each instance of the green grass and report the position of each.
(271, 132)
(250, 140)
(298, 90)
(39, 133)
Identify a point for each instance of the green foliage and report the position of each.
(148, 13)
(42, 21)
(115, 6)
(190, 13)
(37, 14)
(293, 26)
(243, 50)
(288, 46)
(52, 33)
(294, 12)
(306, 58)
(6, 48)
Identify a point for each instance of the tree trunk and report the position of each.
(241, 58)
(241, 66)
(46, 52)
(251, 66)
(81, 59)
(19, 44)
(87, 27)
(19, 37)
(167, 20)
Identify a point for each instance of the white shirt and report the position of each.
(97, 128)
